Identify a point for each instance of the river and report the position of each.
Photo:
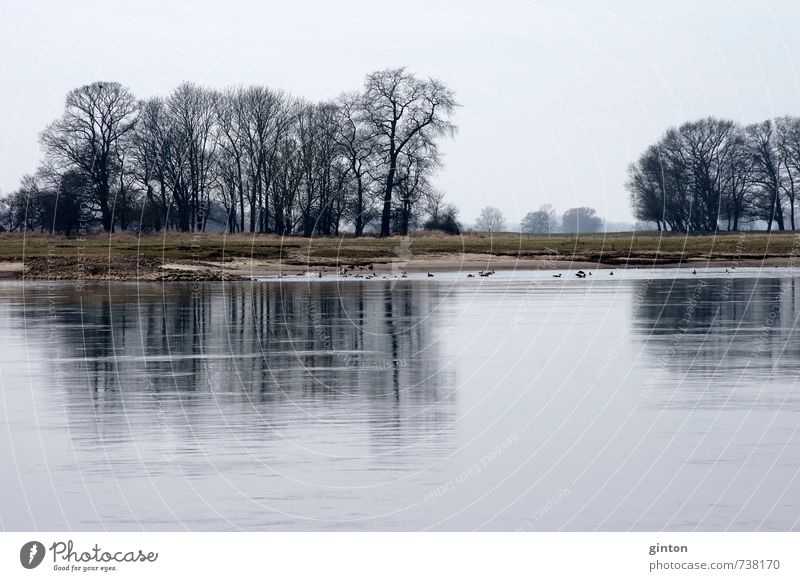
(640, 400)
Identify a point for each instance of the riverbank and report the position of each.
(218, 257)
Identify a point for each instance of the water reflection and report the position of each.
(269, 340)
(720, 340)
(239, 381)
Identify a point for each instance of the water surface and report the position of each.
(642, 400)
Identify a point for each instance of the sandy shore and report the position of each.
(150, 269)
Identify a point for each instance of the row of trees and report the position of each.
(714, 174)
(545, 220)
(259, 159)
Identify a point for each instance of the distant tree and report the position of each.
(98, 121)
(443, 217)
(490, 220)
(581, 219)
(402, 108)
(542, 221)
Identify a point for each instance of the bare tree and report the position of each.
(415, 167)
(98, 119)
(694, 176)
(490, 220)
(788, 144)
(402, 108)
(277, 163)
(358, 145)
(542, 221)
(767, 172)
(146, 152)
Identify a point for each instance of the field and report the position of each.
(215, 256)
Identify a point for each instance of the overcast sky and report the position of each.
(557, 96)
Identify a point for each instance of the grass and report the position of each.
(610, 248)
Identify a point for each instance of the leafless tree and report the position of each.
(415, 168)
(490, 220)
(97, 122)
(358, 145)
(271, 162)
(402, 108)
(788, 144)
(767, 172)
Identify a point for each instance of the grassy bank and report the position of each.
(213, 256)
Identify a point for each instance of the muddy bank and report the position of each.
(123, 268)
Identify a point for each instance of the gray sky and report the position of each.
(557, 96)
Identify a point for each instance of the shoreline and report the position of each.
(243, 269)
(217, 257)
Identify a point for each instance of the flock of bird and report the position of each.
(368, 272)
(582, 274)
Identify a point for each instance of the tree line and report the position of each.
(545, 220)
(255, 158)
(714, 174)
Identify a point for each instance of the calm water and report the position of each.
(521, 402)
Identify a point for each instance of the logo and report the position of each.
(31, 554)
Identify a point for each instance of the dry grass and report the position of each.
(611, 248)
